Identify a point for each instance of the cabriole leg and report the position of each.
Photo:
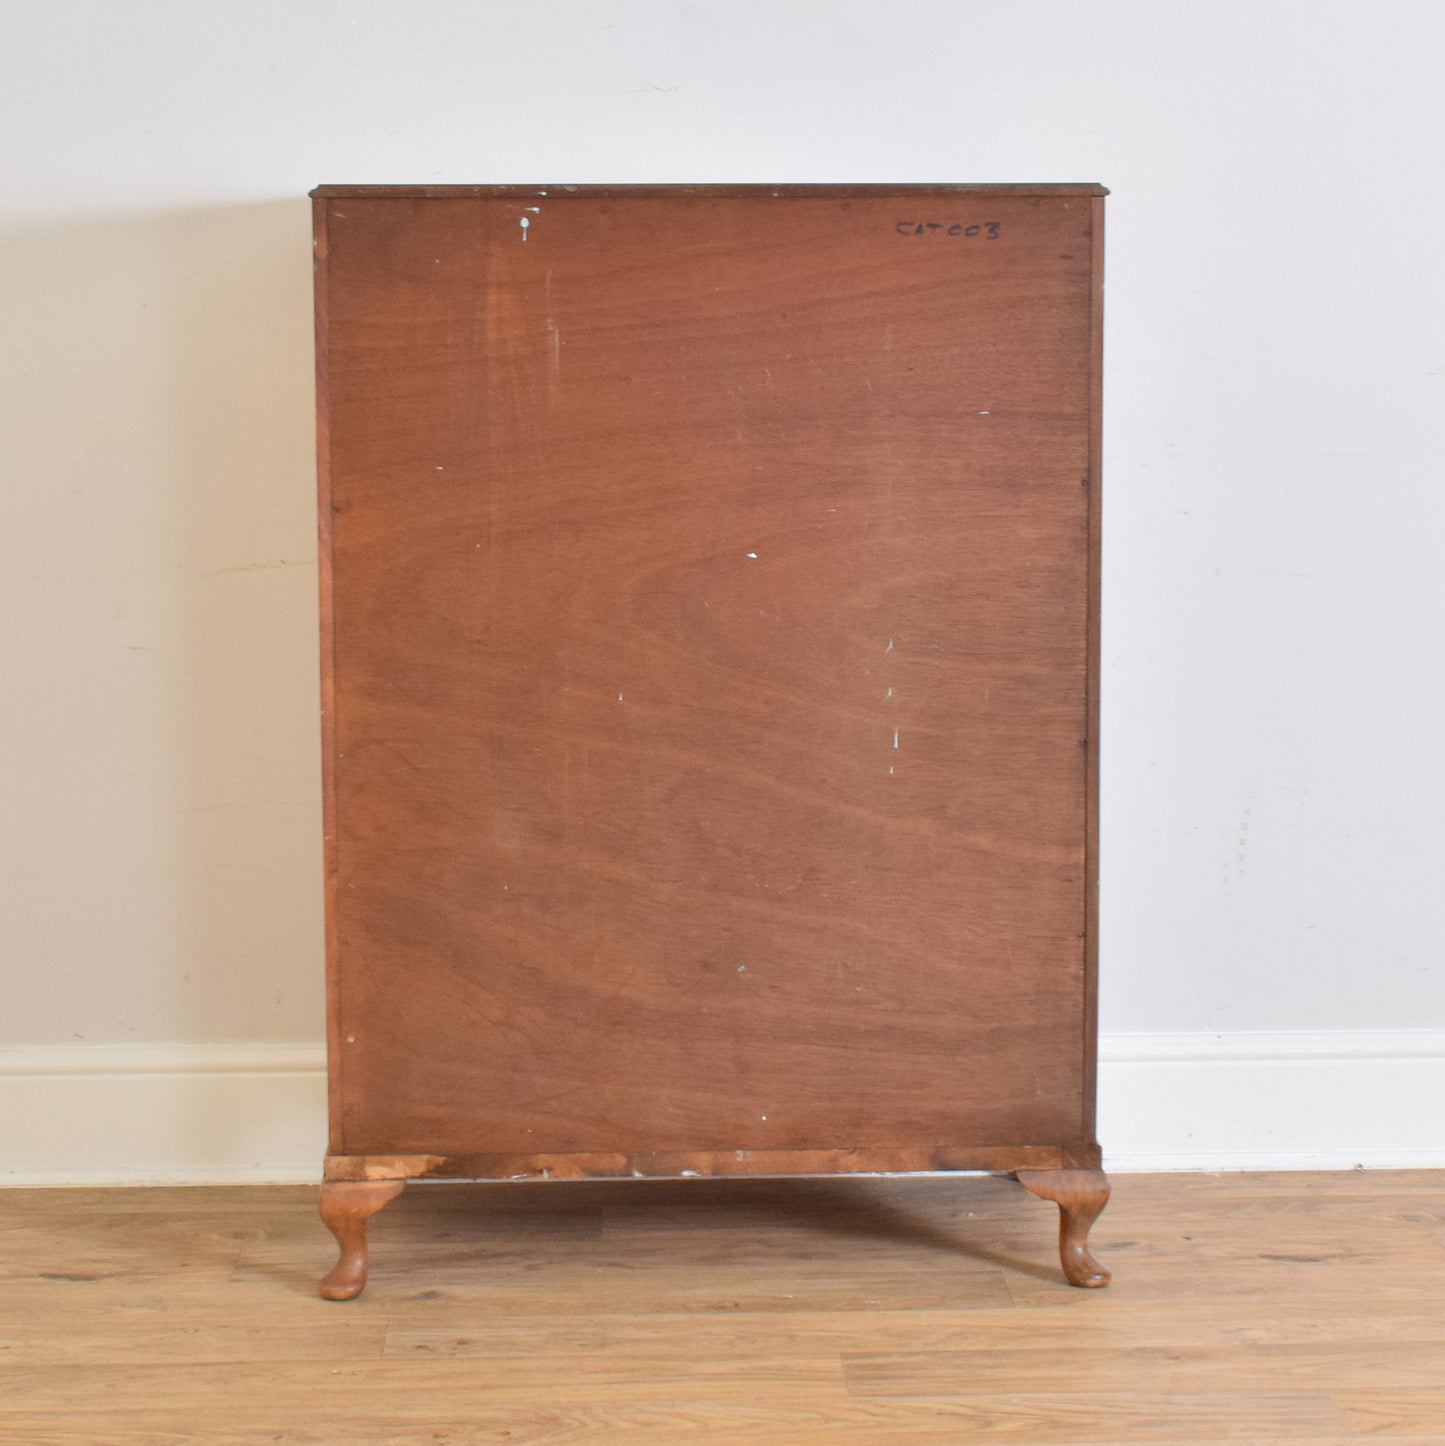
(1081, 1196)
(345, 1207)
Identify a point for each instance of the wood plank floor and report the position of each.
(1257, 1308)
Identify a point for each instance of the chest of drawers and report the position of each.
(709, 591)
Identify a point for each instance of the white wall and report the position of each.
(1273, 778)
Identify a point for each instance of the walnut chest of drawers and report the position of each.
(709, 591)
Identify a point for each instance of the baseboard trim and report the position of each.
(162, 1114)
(1302, 1100)
(238, 1113)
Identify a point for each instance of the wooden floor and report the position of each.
(1257, 1308)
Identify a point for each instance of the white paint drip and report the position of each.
(895, 738)
(889, 693)
(525, 224)
(889, 648)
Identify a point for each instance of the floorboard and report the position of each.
(1266, 1308)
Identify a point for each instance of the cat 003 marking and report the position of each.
(987, 229)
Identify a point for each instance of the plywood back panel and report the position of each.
(708, 667)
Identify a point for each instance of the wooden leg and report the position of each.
(1081, 1196)
(345, 1207)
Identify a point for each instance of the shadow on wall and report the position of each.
(168, 876)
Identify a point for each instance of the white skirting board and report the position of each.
(1329, 1100)
(256, 1112)
(153, 1114)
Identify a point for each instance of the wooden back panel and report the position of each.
(709, 711)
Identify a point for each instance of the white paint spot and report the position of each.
(762, 1117)
(619, 697)
(742, 968)
(525, 224)
(983, 414)
(441, 469)
(753, 555)
(351, 1039)
(691, 1174)
(889, 693)
(889, 648)
(890, 768)
(895, 738)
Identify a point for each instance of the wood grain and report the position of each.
(709, 654)
(1066, 1419)
(1280, 1308)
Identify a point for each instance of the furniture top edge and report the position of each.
(819, 192)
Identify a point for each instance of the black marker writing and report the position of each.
(987, 229)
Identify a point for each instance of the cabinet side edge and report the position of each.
(1092, 646)
(320, 265)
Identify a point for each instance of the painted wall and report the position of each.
(1275, 422)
